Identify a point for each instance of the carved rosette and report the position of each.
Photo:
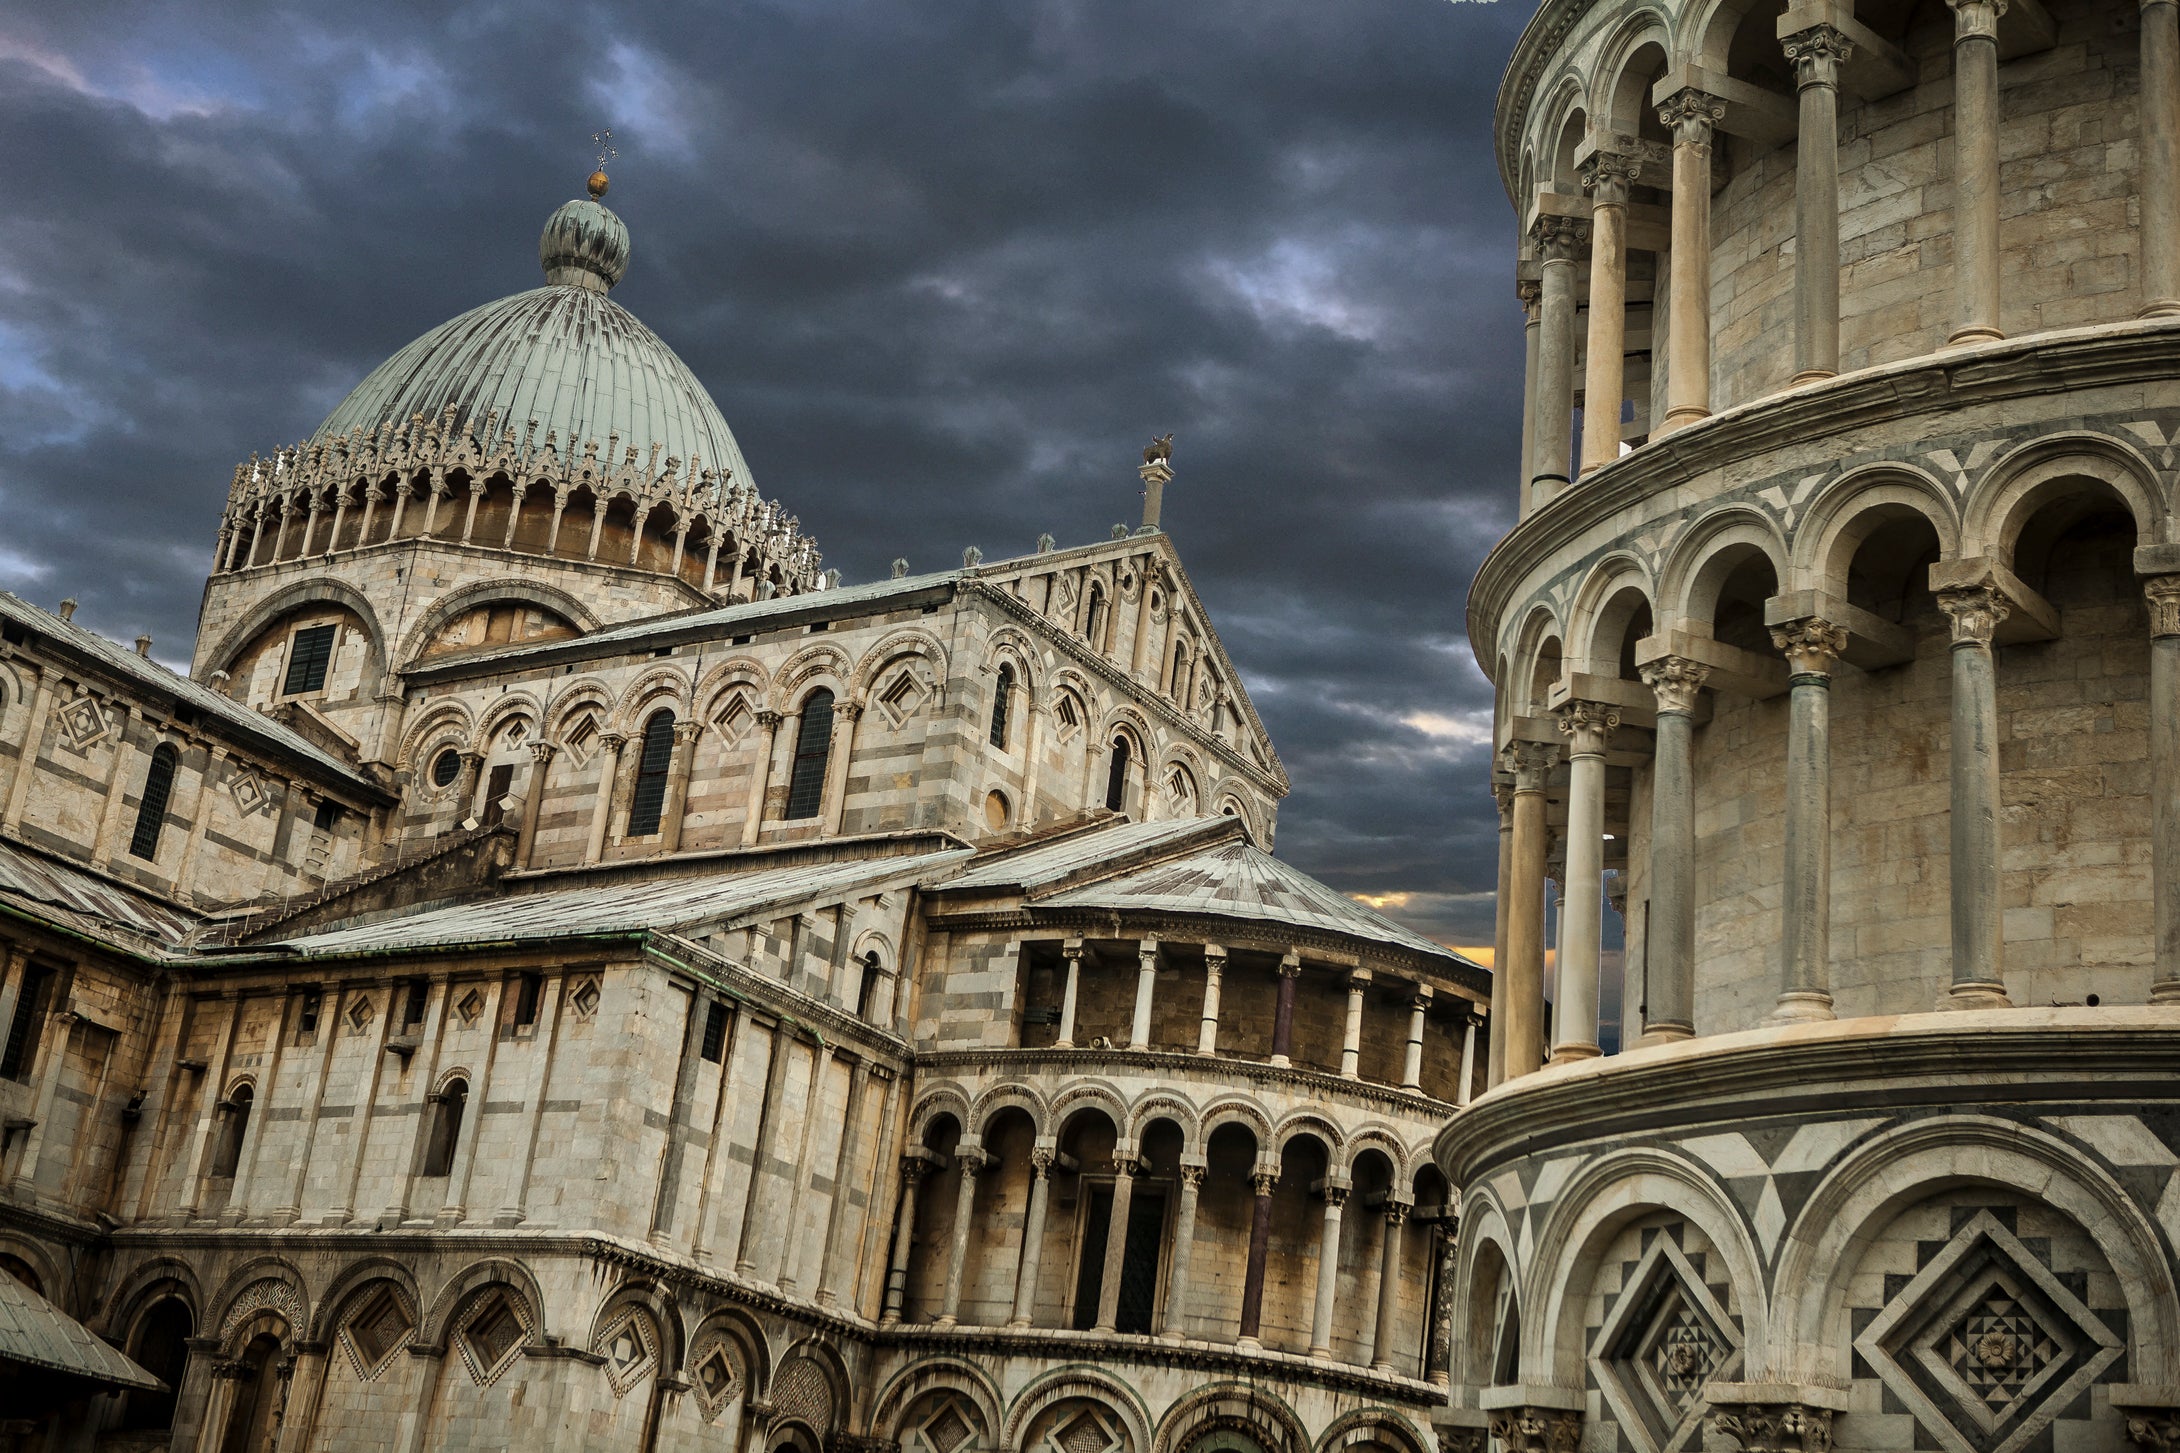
(2163, 594)
(1975, 611)
(1812, 646)
(1537, 1430)
(1776, 1427)
(1676, 681)
(1587, 726)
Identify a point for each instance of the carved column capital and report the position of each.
(769, 719)
(1559, 239)
(1587, 726)
(1537, 1430)
(1975, 611)
(1463, 1440)
(688, 731)
(1502, 793)
(1193, 1175)
(613, 741)
(1676, 681)
(913, 1168)
(542, 752)
(1817, 54)
(1812, 646)
(1607, 175)
(1336, 1195)
(1691, 115)
(1263, 1181)
(1531, 294)
(1529, 763)
(1041, 1161)
(1976, 19)
(2156, 1429)
(1781, 1427)
(2163, 594)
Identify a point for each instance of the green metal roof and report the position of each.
(565, 355)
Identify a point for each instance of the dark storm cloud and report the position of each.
(944, 265)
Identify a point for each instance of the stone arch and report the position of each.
(1897, 1167)
(1077, 1380)
(1309, 1122)
(908, 641)
(260, 1285)
(148, 1282)
(585, 694)
(1246, 1407)
(823, 664)
(1014, 1094)
(496, 717)
(1603, 607)
(719, 680)
(1844, 513)
(1565, 102)
(670, 682)
(54, 1280)
(931, 1374)
(1122, 717)
(2022, 482)
(1386, 1141)
(1098, 1094)
(1613, 99)
(655, 1301)
(811, 1385)
(476, 1277)
(286, 601)
(447, 716)
(1163, 1105)
(498, 590)
(944, 1098)
(1699, 563)
(1601, 1198)
(353, 1281)
(750, 1352)
(1388, 1426)
(1230, 799)
(1708, 34)
(1539, 628)
(1484, 1260)
(1012, 644)
(1237, 1110)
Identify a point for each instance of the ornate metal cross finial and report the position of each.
(603, 140)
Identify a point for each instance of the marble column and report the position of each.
(609, 776)
(1520, 990)
(1979, 971)
(1812, 648)
(1116, 1239)
(1381, 1339)
(1207, 1031)
(1588, 726)
(1464, 1088)
(1606, 176)
(972, 1161)
(541, 762)
(1033, 1238)
(2160, 111)
(1817, 55)
(1290, 970)
(675, 810)
(1358, 984)
(1411, 1064)
(1072, 952)
(1975, 170)
(1557, 240)
(1691, 116)
(1260, 1246)
(1146, 983)
(2163, 593)
(1184, 1251)
(904, 1239)
(1532, 313)
(1677, 684)
(760, 776)
(1328, 1273)
(841, 755)
(1502, 792)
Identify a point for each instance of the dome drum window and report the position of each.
(813, 753)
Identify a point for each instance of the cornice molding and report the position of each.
(1310, 1084)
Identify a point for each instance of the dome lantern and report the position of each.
(584, 245)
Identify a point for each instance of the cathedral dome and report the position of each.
(565, 355)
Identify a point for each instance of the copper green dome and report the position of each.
(565, 355)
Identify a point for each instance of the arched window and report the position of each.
(151, 810)
(649, 798)
(1116, 780)
(446, 1127)
(162, 1349)
(1184, 676)
(227, 1155)
(813, 747)
(867, 990)
(1093, 619)
(1002, 703)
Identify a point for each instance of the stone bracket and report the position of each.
(2029, 617)
(1636, 703)
(1735, 671)
(2025, 29)
(1751, 111)
(1876, 69)
(1872, 641)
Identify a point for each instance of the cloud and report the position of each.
(944, 266)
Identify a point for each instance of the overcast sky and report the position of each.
(945, 266)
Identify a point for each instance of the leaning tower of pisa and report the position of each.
(1838, 631)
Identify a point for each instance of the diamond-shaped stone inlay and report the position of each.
(735, 718)
(469, 1006)
(82, 723)
(1985, 1346)
(376, 1332)
(713, 1372)
(585, 998)
(492, 1336)
(250, 793)
(1083, 1435)
(1665, 1337)
(629, 1351)
(949, 1430)
(359, 1014)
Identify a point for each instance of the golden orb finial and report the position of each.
(598, 183)
(603, 140)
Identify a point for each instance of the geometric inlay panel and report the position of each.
(1665, 1337)
(375, 1333)
(714, 1372)
(630, 1350)
(1984, 1345)
(492, 1335)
